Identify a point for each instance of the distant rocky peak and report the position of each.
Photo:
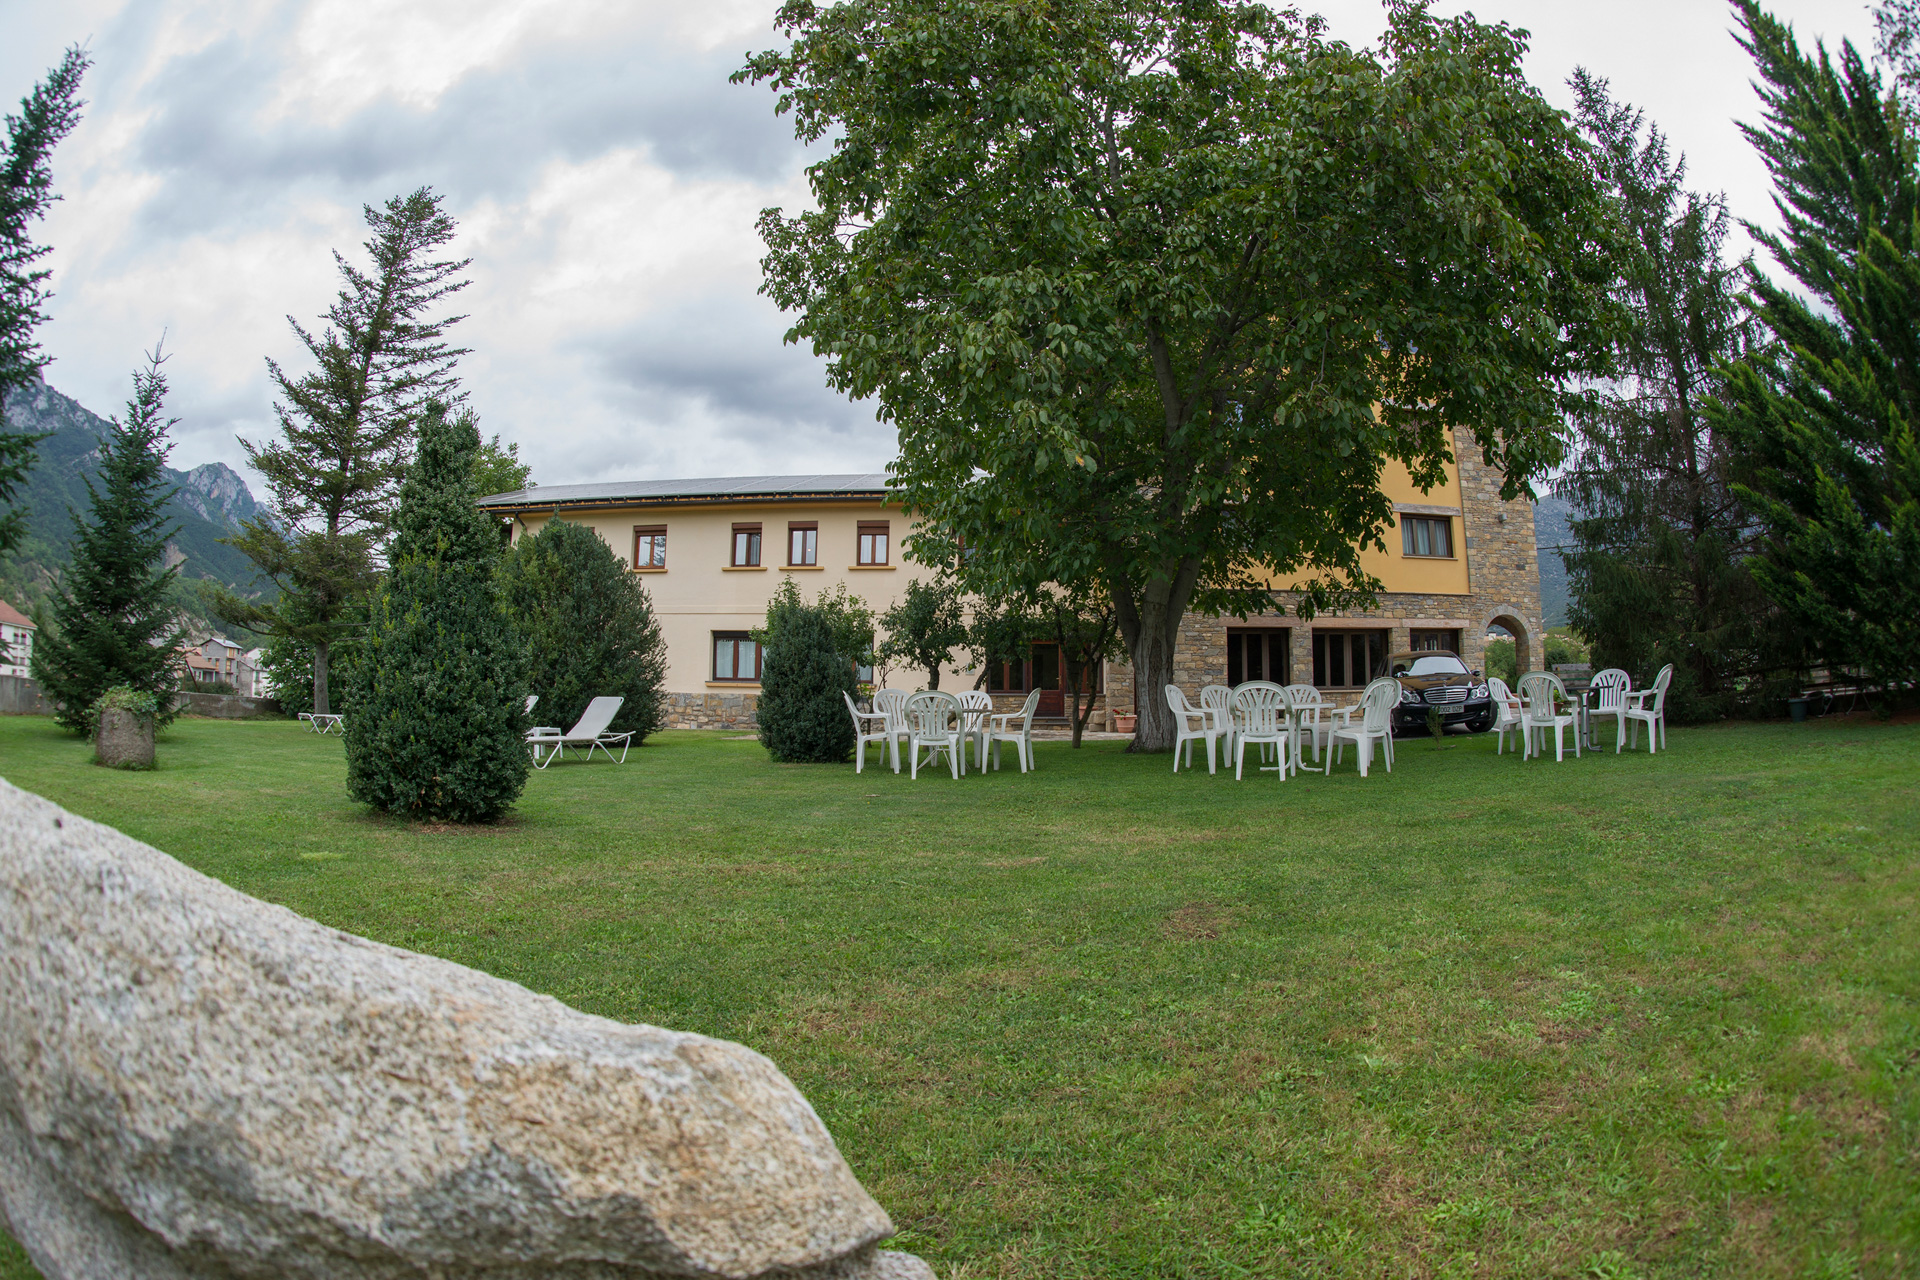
(217, 493)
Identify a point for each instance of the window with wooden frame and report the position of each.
(803, 544)
(736, 656)
(1434, 641)
(650, 546)
(1348, 659)
(1259, 653)
(873, 543)
(746, 546)
(1427, 536)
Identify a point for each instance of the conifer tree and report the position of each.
(438, 726)
(112, 624)
(1826, 414)
(47, 115)
(349, 429)
(1659, 567)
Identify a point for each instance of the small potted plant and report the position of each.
(123, 720)
(1124, 721)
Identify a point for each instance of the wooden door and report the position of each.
(1045, 667)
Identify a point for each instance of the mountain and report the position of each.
(1552, 532)
(211, 502)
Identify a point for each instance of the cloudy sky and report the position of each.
(606, 178)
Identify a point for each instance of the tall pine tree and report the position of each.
(1658, 573)
(47, 115)
(112, 624)
(438, 727)
(349, 429)
(1826, 413)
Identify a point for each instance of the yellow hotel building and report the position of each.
(712, 552)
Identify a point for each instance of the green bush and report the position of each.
(144, 704)
(804, 682)
(438, 728)
(589, 628)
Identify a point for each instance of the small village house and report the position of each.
(16, 641)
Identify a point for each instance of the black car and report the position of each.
(1436, 678)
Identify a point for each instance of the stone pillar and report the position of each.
(124, 740)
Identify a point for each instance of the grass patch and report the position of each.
(1624, 1016)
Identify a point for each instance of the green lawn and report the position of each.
(1625, 1016)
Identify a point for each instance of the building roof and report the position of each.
(13, 617)
(868, 487)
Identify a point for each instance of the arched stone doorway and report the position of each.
(1510, 621)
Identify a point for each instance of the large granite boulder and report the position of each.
(194, 1083)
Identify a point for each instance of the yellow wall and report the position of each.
(1427, 575)
(698, 594)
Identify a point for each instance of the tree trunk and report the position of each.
(1152, 651)
(933, 676)
(320, 707)
(1072, 673)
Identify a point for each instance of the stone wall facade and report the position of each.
(1503, 573)
(711, 711)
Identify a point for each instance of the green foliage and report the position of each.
(1561, 646)
(349, 425)
(1658, 571)
(47, 115)
(925, 627)
(804, 682)
(289, 664)
(1826, 414)
(589, 627)
(144, 704)
(497, 469)
(1502, 661)
(1898, 41)
(439, 727)
(111, 621)
(1153, 291)
(846, 615)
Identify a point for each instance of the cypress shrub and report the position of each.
(438, 729)
(589, 627)
(803, 677)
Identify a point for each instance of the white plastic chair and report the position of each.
(1653, 714)
(1538, 689)
(868, 726)
(1001, 730)
(1609, 689)
(933, 722)
(589, 731)
(1261, 708)
(1376, 705)
(1191, 724)
(1217, 699)
(973, 725)
(892, 703)
(1506, 714)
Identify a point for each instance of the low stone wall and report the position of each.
(20, 696)
(197, 1085)
(712, 711)
(226, 706)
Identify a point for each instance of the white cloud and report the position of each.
(606, 177)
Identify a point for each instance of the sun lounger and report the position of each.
(590, 732)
